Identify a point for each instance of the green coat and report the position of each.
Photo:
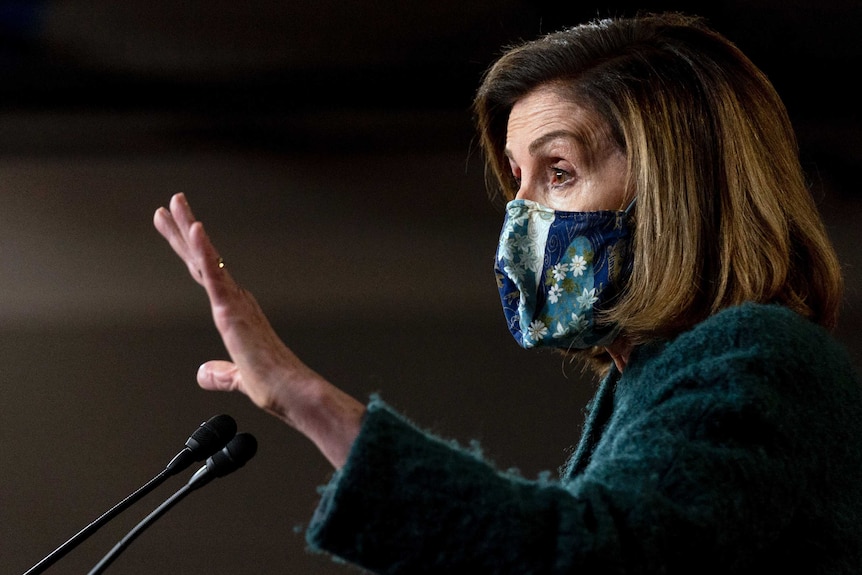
(734, 448)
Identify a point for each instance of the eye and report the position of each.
(559, 176)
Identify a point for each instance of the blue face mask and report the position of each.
(556, 269)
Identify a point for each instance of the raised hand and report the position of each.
(262, 366)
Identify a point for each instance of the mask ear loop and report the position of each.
(631, 206)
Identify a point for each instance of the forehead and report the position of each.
(544, 111)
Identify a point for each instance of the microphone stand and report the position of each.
(76, 539)
(207, 439)
(139, 528)
(232, 456)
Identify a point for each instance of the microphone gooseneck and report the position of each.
(211, 436)
(234, 455)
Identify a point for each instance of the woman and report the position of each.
(659, 228)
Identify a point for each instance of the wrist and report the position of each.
(329, 417)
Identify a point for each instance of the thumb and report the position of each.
(219, 375)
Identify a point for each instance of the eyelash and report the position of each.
(556, 174)
(559, 173)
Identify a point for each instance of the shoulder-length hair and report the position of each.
(723, 212)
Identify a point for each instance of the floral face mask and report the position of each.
(555, 269)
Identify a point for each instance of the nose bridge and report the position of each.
(527, 189)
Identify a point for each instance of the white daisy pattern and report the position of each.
(559, 271)
(546, 261)
(537, 330)
(578, 265)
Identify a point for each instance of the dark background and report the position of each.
(328, 147)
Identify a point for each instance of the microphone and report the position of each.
(233, 456)
(206, 440)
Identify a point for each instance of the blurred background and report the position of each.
(328, 148)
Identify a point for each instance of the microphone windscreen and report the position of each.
(211, 436)
(234, 455)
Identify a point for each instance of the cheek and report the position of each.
(610, 183)
(604, 195)
(597, 192)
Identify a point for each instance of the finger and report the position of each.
(203, 259)
(209, 264)
(167, 227)
(177, 224)
(219, 375)
(182, 214)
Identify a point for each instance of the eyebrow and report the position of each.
(543, 140)
(582, 139)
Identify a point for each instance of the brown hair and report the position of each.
(723, 212)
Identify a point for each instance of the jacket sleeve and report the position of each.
(408, 502)
(702, 468)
